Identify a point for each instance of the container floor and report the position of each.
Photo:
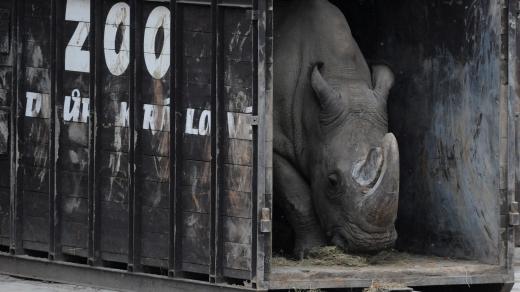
(398, 268)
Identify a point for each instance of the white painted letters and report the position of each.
(157, 67)
(156, 117)
(77, 59)
(117, 56)
(205, 123)
(190, 113)
(32, 109)
(85, 109)
(37, 105)
(118, 18)
(204, 126)
(79, 110)
(71, 114)
(238, 125)
(122, 121)
(149, 117)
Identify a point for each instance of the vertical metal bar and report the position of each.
(17, 130)
(12, 128)
(267, 123)
(214, 140)
(95, 87)
(516, 53)
(259, 109)
(54, 199)
(136, 51)
(503, 121)
(256, 148)
(175, 196)
(179, 105)
(131, 144)
(217, 79)
(13, 161)
(173, 126)
(512, 81)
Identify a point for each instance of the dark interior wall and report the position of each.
(444, 111)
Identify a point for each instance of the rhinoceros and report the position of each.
(336, 167)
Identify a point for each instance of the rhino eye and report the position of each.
(334, 191)
(333, 180)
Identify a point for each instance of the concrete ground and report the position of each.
(516, 288)
(10, 284)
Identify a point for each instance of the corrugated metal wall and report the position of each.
(95, 169)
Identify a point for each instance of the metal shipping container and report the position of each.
(100, 185)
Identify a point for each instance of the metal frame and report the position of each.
(96, 10)
(175, 214)
(56, 90)
(55, 269)
(77, 274)
(17, 130)
(134, 213)
(510, 46)
(216, 145)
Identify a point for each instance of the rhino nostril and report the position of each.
(367, 171)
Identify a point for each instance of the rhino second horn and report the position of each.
(381, 201)
(383, 80)
(330, 100)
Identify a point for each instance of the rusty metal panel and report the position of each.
(101, 172)
(138, 136)
(72, 106)
(98, 181)
(152, 120)
(6, 133)
(237, 211)
(194, 83)
(5, 33)
(34, 118)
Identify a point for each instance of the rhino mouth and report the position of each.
(354, 239)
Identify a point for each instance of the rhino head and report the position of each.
(355, 172)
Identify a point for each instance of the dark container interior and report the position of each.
(446, 110)
(451, 111)
(182, 201)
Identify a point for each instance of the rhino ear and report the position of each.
(383, 80)
(331, 103)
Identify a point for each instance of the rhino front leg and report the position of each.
(293, 195)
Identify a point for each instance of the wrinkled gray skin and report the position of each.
(336, 167)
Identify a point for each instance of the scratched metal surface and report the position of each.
(97, 170)
(450, 118)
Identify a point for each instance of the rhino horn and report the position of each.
(381, 199)
(382, 81)
(331, 104)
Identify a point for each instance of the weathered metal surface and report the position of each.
(6, 135)
(453, 118)
(100, 171)
(103, 277)
(454, 136)
(96, 171)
